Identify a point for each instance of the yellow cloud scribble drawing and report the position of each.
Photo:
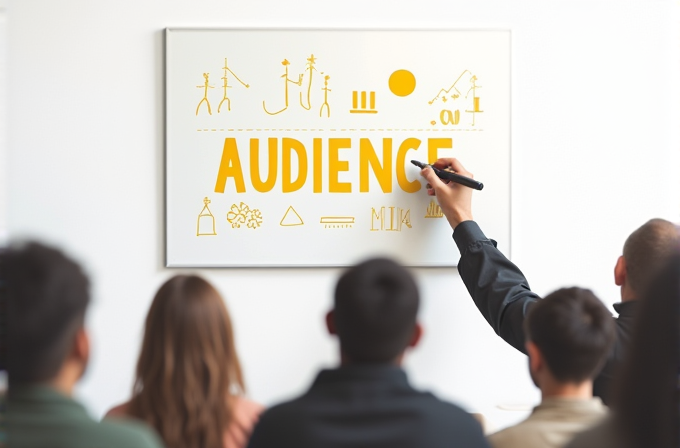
(243, 214)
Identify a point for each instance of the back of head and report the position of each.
(647, 393)
(376, 303)
(647, 249)
(188, 365)
(46, 297)
(574, 332)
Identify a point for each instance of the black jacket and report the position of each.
(502, 295)
(371, 406)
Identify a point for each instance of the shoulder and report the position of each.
(246, 407)
(245, 414)
(128, 433)
(446, 418)
(508, 437)
(598, 436)
(118, 411)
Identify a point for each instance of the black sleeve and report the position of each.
(497, 286)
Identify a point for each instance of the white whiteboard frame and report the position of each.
(504, 240)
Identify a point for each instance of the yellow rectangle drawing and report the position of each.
(337, 220)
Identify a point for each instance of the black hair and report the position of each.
(376, 303)
(574, 332)
(45, 297)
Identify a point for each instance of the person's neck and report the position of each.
(65, 381)
(627, 294)
(347, 361)
(555, 389)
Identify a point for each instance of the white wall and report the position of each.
(595, 92)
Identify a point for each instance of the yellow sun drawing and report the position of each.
(402, 82)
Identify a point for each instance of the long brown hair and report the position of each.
(188, 367)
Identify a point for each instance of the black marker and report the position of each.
(457, 178)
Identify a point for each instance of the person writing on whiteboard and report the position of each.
(502, 293)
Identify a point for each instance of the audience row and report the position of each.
(189, 390)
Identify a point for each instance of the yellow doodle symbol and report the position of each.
(475, 99)
(402, 83)
(242, 214)
(365, 108)
(434, 210)
(337, 222)
(449, 117)
(205, 88)
(311, 60)
(443, 93)
(226, 86)
(286, 80)
(325, 97)
(291, 218)
(390, 219)
(206, 221)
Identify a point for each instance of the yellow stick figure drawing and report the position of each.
(205, 88)
(226, 86)
(311, 60)
(206, 221)
(325, 97)
(475, 99)
(286, 80)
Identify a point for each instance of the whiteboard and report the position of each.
(289, 147)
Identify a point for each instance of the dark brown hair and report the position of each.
(46, 295)
(574, 332)
(647, 249)
(188, 366)
(376, 303)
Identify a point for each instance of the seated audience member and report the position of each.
(45, 295)
(501, 292)
(189, 384)
(569, 334)
(647, 413)
(367, 401)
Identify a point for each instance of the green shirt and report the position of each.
(39, 416)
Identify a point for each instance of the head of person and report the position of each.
(46, 295)
(568, 336)
(188, 369)
(647, 394)
(374, 316)
(645, 251)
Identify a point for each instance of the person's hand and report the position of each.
(454, 199)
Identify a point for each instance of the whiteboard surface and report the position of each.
(371, 96)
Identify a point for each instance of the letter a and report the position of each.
(230, 166)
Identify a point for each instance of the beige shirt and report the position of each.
(552, 424)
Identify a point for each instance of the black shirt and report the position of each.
(366, 406)
(502, 295)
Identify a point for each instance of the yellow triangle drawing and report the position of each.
(291, 218)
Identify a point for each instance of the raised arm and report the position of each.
(497, 286)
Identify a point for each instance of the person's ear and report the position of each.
(81, 348)
(330, 322)
(620, 271)
(417, 335)
(535, 357)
